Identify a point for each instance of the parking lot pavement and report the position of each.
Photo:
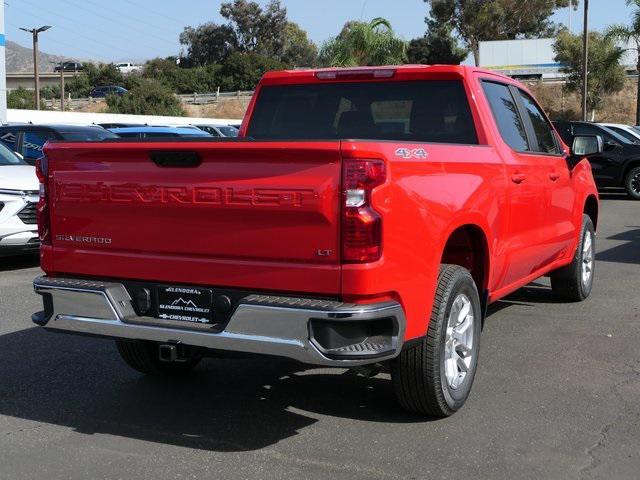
(557, 396)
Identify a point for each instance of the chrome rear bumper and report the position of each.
(316, 332)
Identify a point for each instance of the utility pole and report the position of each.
(62, 86)
(34, 32)
(570, 16)
(585, 60)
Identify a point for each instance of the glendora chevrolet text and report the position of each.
(363, 218)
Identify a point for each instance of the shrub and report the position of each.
(148, 97)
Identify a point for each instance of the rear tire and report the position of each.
(434, 377)
(144, 357)
(575, 281)
(632, 183)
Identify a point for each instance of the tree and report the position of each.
(479, 20)
(243, 71)
(606, 75)
(360, 43)
(94, 75)
(208, 43)
(250, 28)
(299, 51)
(147, 98)
(438, 46)
(182, 80)
(630, 34)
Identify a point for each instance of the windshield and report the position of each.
(628, 135)
(92, 134)
(8, 157)
(229, 131)
(419, 111)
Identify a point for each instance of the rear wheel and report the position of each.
(575, 281)
(435, 376)
(632, 183)
(145, 357)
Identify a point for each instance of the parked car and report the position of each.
(219, 130)
(28, 139)
(105, 91)
(618, 165)
(120, 125)
(127, 68)
(626, 131)
(18, 197)
(159, 132)
(328, 235)
(69, 67)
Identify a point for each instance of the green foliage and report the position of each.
(250, 28)
(208, 44)
(630, 33)
(22, 99)
(243, 71)
(478, 20)
(438, 46)
(606, 75)
(148, 97)
(182, 80)
(94, 76)
(360, 43)
(299, 51)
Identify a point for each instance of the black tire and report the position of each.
(418, 373)
(567, 283)
(632, 183)
(144, 357)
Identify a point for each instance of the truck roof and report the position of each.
(400, 72)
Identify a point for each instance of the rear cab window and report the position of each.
(435, 111)
(33, 143)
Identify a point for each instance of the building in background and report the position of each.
(3, 76)
(530, 59)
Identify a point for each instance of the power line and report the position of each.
(72, 23)
(120, 20)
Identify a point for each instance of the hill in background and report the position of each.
(20, 59)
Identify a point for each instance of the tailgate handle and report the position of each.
(178, 159)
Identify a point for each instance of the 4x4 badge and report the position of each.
(408, 153)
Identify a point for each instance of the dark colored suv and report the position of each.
(618, 165)
(28, 140)
(69, 67)
(101, 92)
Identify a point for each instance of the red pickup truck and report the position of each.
(364, 217)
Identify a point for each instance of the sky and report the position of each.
(119, 30)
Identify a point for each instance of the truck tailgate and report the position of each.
(251, 215)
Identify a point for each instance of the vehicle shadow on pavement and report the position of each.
(615, 195)
(19, 262)
(224, 405)
(628, 252)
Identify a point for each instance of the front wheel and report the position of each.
(575, 281)
(434, 377)
(632, 183)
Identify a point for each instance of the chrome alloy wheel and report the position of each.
(459, 343)
(587, 259)
(635, 183)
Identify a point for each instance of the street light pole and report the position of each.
(34, 32)
(585, 59)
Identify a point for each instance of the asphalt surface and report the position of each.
(557, 396)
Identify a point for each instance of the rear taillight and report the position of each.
(42, 209)
(361, 224)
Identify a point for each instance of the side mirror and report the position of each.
(583, 146)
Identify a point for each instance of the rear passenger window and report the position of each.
(506, 115)
(33, 143)
(544, 134)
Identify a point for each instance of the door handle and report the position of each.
(518, 178)
(554, 176)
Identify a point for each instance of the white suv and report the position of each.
(18, 198)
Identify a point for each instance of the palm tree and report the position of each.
(630, 34)
(367, 44)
